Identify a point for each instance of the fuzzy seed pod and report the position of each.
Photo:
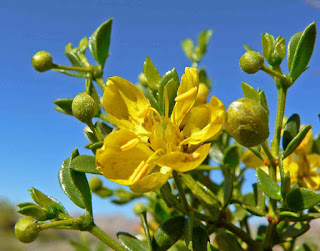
(84, 107)
(42, 61)
(26, 229)
(251, 62)
(247, 121)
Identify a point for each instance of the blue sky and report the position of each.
(36, 139)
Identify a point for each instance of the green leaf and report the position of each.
(75, 186)
(316, 145)
(99, 42)
(259, 197)
(44, 201)
(285, 186)
(25, 204)
(250, 207)
(91, 90)
(232, 157)
(131, 243)
(267, 46)
(249, 92)
(200, 237)
(291, 129)
(104, 129)
(187, 46)
(153, 101)
(171, 81)
(227, 241)
(268, 185)
(33, 211)
(263, 101)
(168, 233)
(295, 142)
(72, 55)
(307, 246)
(247, 47)
(151, 73)
(216, 153)
(300, 50)
(203, 40)
(280, 49)
(302, 198)
(227, 185)
(64, 105)
(83, 45)
(204, 78)
(84, 164)
(295, 230)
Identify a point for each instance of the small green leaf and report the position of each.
(285, 186)
(83, 45)
(302, 198)
(291, 130)
(153, 101)
(64, 105)
(280, 49)
(33, 211)
(259, 197)
(44, 201)
(168, 233)
(151, 73)
(203, 40)
(96, 146)
(263, 101)
(72, 55)
(99, 42)
(247, 48)
(131, 243)
(316, 145)
(268, 185)
(200, 237)
(25, 204)
(171, 81)
(295, 230)
(267, 46)
(227, 185)
(104, 129)
(227, 241)
(232, 157)
(250, 207)
(187, 46)
(84, 164)
(216, 153)
(295, 142)
(300, 49)
(75, 186)
(204, 78)
(249, 92)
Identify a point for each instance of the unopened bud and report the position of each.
(247, 121)
(142, 79)
(42, 61)
(26, 229)
(84, 107)
(95, 183)
(138, 208)
(251, 62)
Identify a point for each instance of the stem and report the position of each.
(71, 68)
(97, 232)
(273, 73)
(54, 224)
(105, 118)
(95, 131)
(101, 83)
(268, 241)
(243, 236)
(183, 198)
(267, 151)
(144, 222)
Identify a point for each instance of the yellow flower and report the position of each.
(303, 167)
(147, 147)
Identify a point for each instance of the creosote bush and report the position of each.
(164, 139)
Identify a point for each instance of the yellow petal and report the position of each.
(294, 172)
(205, 122)
(251, 160)
(152, 181)
(186, 95)
(312, 182)
(314, 161)
(306, 143)
(183, 162)
(126, 106)
(122, 159)
(202, 96)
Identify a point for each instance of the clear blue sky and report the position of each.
(36, 139)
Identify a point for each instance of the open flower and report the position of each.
(147, 147)
(303, 166)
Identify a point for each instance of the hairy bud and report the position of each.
(251, 62)
(247, 121)
(26, 229)
(84, 107)
(42, 61)
(95, 184)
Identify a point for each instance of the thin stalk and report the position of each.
(72, 68)
(273, 73)
(183, 198)
(101, 235)
(101, 83)
(144, 222)
(105, 118)
(69, 222)
(268, 240)
(243, 236)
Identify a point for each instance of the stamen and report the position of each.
(130, 144)
(187, 95)
(154, 155)
(144, 111)
(166, 103)
(183, 142)
(139, 172)
(157, 113)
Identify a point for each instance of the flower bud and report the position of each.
(251, 62)
(84, 107)
(26, 229)
(138, 208)
(246, 121)
(42, 61)
(142, 79)
(95, 183)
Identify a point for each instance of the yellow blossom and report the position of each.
(147, 147)
(303, 166)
